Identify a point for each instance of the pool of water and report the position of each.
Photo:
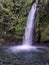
(24, 58)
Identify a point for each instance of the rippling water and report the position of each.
(24, 58)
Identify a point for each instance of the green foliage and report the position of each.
(44, 21)
(13, 17)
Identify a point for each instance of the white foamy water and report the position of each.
(22, 48)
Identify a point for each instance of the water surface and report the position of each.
(24, 58)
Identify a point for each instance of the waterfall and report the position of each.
(28, 37)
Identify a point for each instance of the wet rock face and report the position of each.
(44, 21)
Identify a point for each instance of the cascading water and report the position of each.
(28, 37)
